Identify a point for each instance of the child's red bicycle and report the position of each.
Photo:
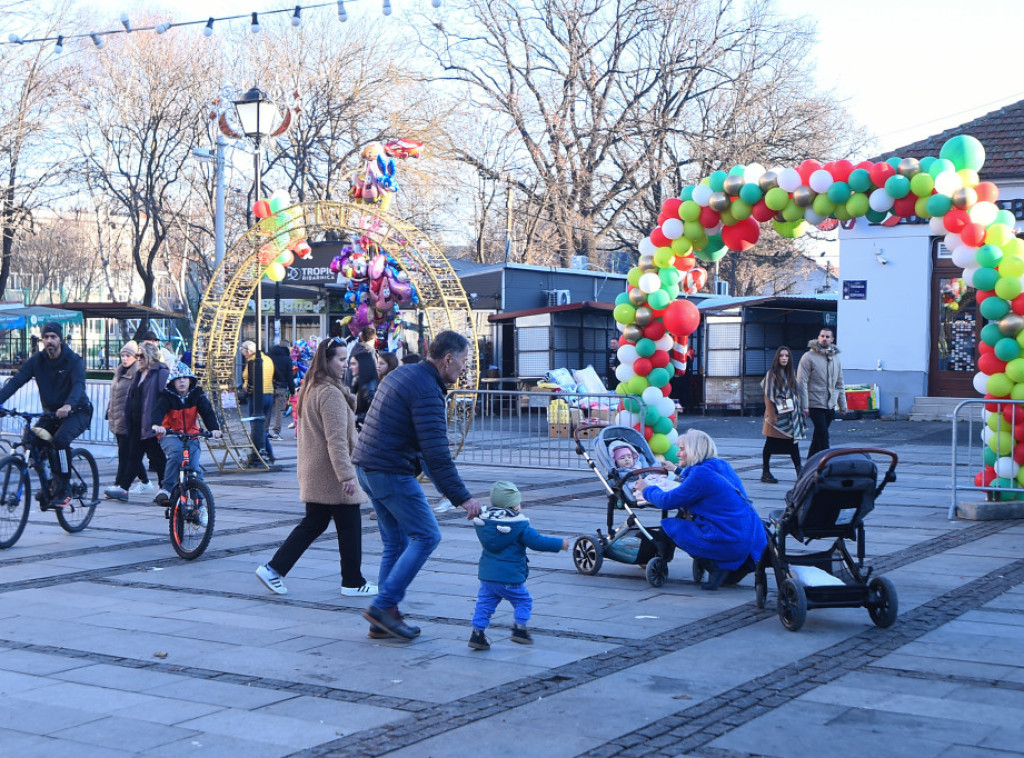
(190, 514)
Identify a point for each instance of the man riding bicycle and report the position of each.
(60, 378)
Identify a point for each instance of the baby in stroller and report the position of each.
(625, 458)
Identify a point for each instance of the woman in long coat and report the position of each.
(117, 422)
(783, 417)
(149, 381)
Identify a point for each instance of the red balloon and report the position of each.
(659, 239)
(682, 318)
(685, 262)
(984, 347)
(841, 170)
(671, 207)
(742, 235)
(990, 364)
(987, 192)
(1017, 304)
(762, 212)
(805, 170)
(642, 366)
(661, 359)
(995, 406)
(1018, 454)
(709, 219)
(648, 433)
(984, 478)
(654, 330)
(973, 234)
(261, 209)
(981, 296)
(663, 217)
(955, 220)
(904, 207)
(624, 341)
(880, 172)
(666, 390)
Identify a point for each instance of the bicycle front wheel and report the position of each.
(14, 501)
(84, 488)
(191, 521)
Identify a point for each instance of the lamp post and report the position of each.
(258, 116)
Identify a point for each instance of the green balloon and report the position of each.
(938, 205)
(922, 184)
(989, 457)
(669, 276)
(858, 204)
(740, 210)
(1014, 366)
(651, 415)
(637, 385)
(964, 151)
(876, 217)
(926, 162)
(687, 194)
(1013, 266)
(672, 454)
(859, 181)
(622, 298)
(645, 348)
(663, 257)
(663, 425)
(659, 377)
(693, 231)
(689, 211)
(823, 205)
(737, 170)
(839, 192)
(985, 279)
(894, 161)
(1005, 217)
(659, 300)
(989, 256)
(710, 256)
(897, 186)
(791, 229)
(673, 292)
(991, 334)
(993, 308)
(717, 181)
(842, 213)
(624, 314)
(939, 166)
(750, 194)
(1001, 443)
(634, 274)
(792, 212)
(1007, 349)
(776, 198)
(1007, 287)
(681, 246)
(631, 403)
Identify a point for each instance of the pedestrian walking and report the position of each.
(284, 386)
(117, 422)
(783, 414)
(406, 421)
(819, 379)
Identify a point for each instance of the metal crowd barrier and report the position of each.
(515, 428)
(969, 449)
(27, 399)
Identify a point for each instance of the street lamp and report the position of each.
(259, 117)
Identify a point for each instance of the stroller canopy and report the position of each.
(611, 435)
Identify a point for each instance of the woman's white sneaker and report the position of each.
(271, 580)
(367, 590)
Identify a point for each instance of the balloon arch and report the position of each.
(259, 252)
(725, 212)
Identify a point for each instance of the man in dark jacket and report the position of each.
(284, 386)
(60, 378)
(407, 421)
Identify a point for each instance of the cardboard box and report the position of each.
(607, 415)
(558, 430)
(586, 432)
(858, 400)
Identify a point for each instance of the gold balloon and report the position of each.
(649, 266)
(637, 297)
(719, 202)
(769, 180)
(804, 196)
(644, 316)
(645, 260)
(1011, 325)
(732, 185)
(908, 167)
(964, 197)
(633, 333)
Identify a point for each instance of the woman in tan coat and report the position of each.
(783, 417)
(326, 431)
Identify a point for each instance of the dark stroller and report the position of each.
(836, 490)
(632, 542)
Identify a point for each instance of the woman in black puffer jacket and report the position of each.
(364, 383)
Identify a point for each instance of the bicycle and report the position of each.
(190, 514)
(16, 483)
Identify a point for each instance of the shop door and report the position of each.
(955, 329)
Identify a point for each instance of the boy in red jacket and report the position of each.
(178, 409)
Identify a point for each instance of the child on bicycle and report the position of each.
(178, 409)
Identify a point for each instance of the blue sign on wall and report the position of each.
(855, 289)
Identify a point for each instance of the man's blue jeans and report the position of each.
(408, 529)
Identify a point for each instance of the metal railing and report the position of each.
(969, 455)
(514, 428)
(27, 399)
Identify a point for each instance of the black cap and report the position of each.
(52, 327)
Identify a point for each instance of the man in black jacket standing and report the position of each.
(284, 386)
(405, 423)
(60, 377)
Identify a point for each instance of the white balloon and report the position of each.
(282, 194)
(948, 182)
(716, 229)
(620, 327)
(666, 342)
(936, 225)
(983, 213)
(624, 372)
(980, 380)
(789, 179)
(752, 173)
(646, 247)
(821, 180)
(624, 418)
(952, 241)
(968, 277)
(880, 200)
(672, 228)
(1007, 467)
(649, 282)
(673, 437)
(626, 354)
(965, 256)
(701, 195)
(651, 396)
(666, 406)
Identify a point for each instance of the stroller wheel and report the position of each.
(586, 554)
(882, 604)
(792, 605)
(657, 571)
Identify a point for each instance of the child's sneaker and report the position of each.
(271, 580)
(163, 497)
(478, 640)
(521, 635)
(141, 488)
(203, 516)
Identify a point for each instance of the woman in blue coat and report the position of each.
(716, 523)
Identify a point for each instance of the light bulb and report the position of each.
(59, 47)
(436, 3)
(125, 22)
(208, 31)
(161, 28)
(255, 23)
(14, 39)
(96, 40)
(297, 18)
(387, 7)
(342, 15)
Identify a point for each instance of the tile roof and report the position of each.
(1001, 132)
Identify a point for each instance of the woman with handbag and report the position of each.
(783, 417)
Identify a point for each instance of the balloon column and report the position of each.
(377, 287)
(283, 226)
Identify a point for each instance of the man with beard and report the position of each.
(60, 378)
(819, 380)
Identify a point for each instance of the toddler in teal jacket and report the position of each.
(505, 533)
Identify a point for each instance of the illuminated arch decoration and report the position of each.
(443, 302)
(725, 211)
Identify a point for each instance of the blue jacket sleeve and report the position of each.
(78, 398)
(428, 418)
(537, 541)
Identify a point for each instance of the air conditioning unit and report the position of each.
(558, 297)
(722, 288)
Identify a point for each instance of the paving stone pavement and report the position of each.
(112, 646)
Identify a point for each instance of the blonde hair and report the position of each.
(698, 446)
(152, 353)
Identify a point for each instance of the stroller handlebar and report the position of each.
(890, 474)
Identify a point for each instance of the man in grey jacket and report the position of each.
(819, 379)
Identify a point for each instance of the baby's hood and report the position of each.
(498, 527)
